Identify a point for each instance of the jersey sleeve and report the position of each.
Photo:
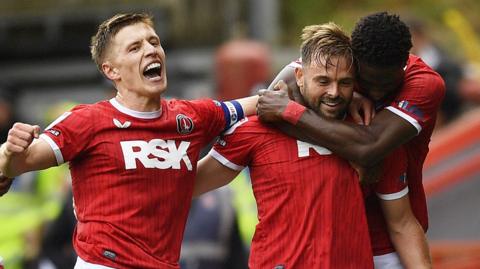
(393, 184)
(233, 148)
(218, 116)
(69, 134)
(419, 99)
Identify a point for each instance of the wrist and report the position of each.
(4, 151)
(293, 112)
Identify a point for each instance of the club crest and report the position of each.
(184, 124)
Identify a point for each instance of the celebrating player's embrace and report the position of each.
(133, 158)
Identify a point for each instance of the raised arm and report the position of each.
(365, 145)
(406, 233)
(211, 174)
(23, 152)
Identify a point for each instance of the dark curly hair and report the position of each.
(381, 39)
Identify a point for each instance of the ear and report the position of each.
(110, 71)
(299, 76)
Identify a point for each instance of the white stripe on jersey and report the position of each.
(81, 264)
(55, 148)
(406, 117)
(235, 126)
(393, 196)
(387, 261)
(225, 161)
(59, 119)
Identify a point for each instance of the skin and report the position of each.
(365, 145)
(132, 49)
(406, 233)
(328, 91)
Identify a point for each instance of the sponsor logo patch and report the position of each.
(410, 108)
(121, 125)
(54, 132)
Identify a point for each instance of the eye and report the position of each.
(155, 42)
(347, 82)
(133, 49)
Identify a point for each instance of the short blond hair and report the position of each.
(323, 41)
(109, 28)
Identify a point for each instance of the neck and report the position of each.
(139, 103)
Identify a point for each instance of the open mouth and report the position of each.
(153, 71)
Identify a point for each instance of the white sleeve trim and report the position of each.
(55, 148)
(225, 161)
(406, 117)
(393, 196)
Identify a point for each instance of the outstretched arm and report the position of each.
(211, 174)
(406, 233)
(22, 152)
(249, 105)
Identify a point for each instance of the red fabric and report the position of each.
(392, 182)
(136, 209)
(420, 97)
(310, 205)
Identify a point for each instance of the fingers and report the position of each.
(36, 131)
(357, 118)
(368, 113)
(262, 92)
(20, 136)
(281, 86)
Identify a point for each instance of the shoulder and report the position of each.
(419, 75)
(249, 125)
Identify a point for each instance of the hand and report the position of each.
(271, 104)
(361, 109)
(20, 136)
(5, 184)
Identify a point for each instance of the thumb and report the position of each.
(36, 131)
(281, 86)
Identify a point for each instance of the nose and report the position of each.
(332, 90)
(149, 49)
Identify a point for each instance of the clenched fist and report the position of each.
(20, 136)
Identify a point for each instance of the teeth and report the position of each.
(153, 65)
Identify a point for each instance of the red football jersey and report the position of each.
(392, 185)
(418, 103)
(132, 176)
(310, 205)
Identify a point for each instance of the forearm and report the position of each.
(353, 142)
(411, 245)
(249, 105)
(37, 156)
(8, 164)
(211, 174)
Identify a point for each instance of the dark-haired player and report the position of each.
(407, 95)
(132, 158)
(310, 211)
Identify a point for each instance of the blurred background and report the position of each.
(226, 49)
